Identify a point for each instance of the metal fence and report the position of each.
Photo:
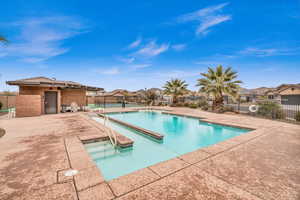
(114, 101)
(269, 110)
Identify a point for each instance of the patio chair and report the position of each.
(74, 107)
(11, 113)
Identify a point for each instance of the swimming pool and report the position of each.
(181, 135)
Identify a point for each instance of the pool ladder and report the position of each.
(111, 134)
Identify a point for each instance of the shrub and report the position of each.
(297, 117)
(186, 104)
(243, 101)
(279, 114)
(177, 104)
(202, 103)
(1, 105)
(180, 104)
(228, 109)
(205, 107)
(271, 110)
(160, 104)
(193, 105)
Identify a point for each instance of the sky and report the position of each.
(141, 44)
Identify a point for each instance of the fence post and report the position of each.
(239, 104)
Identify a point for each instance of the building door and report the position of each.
(50, 102)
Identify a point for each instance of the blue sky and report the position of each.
(141, 44)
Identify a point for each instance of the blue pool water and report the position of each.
(181, 135)
(113, 105)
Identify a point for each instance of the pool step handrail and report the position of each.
(111, 134)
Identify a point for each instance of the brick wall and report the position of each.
(90, 99)
(31, 90)
(64, 96)
(28, 105)
(73, 95)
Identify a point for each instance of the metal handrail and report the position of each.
(111, 134)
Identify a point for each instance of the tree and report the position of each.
(3, 39)
(175, 88)
(150, 96)
(219, 82)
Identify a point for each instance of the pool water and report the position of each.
(181, 135)
(113, 105)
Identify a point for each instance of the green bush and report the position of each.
(178, 104)
(243, 101)
(279, 114)
(186, 104)
(228, 109)
(297, 117)
(193, 105)
(270, 110)
(202, 103)
(160, 104)
(205, 107)
(1, 105)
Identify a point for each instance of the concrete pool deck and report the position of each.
(261, 164)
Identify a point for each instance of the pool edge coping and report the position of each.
(147, 132)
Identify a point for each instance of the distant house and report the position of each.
(115, 96)
(94, 92)
(119, 95)
(253, 95)
(273, 95)
(193, 96)
(42, 95)
(286, 94)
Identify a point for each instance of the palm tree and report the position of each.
(175, 88)
(219, 82)
(3, 39)
(150, 96)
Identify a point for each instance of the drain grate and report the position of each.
(71, 172)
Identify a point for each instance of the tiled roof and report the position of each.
(44, 81)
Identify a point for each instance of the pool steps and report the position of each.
(101, 150)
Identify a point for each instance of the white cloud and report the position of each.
(258, 52)
(127, 60)
(111, 71)
(264, 52)
(178, 74)
(152, 49)
(41, 38)
(139, 66)
(211, 21)
(33, 59)
(206, 18)
(178, 47)
(135, 44)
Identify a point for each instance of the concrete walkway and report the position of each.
(265, 165)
